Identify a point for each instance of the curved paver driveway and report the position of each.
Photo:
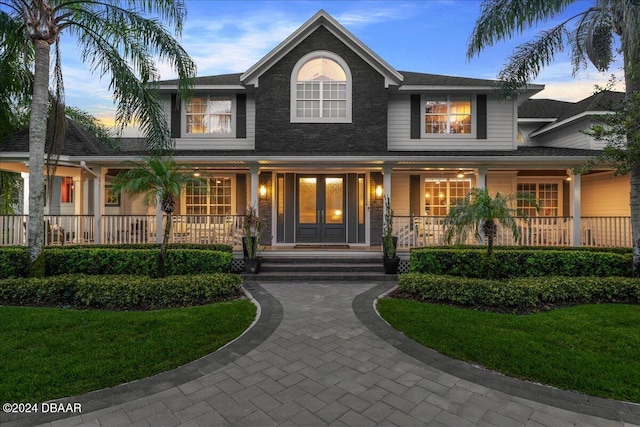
(320, 356)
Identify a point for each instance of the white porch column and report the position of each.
(255, 172)
(98, 202)
(481, 177)
(386, 172)
(78, 194)
(25, 193)
(575, 209)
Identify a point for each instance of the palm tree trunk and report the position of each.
(631, 55)
(163, 248)
(37, 137)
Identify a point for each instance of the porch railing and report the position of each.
(58, 229)
(123, 229)
(224, 229)
(540, 231)
(411, 231)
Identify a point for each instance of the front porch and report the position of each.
(412, 231)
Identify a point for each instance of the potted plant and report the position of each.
(252, 230)
(389, 241)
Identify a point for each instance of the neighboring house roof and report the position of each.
(78, 142)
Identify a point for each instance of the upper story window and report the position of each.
(209, 114)
(321, 89)
(448, 115)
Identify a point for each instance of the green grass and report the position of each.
(47, 353)
(593, 349)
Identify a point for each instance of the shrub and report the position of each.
(13, 262)
(120, 292)
(206, 247)
(520, 294)
(509, 263)
(101, 260)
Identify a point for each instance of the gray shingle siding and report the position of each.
(276, 134)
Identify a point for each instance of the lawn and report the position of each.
(47, 353)
(593, 349)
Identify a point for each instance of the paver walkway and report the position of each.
(319, 364)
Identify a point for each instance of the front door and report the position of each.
(320, 216)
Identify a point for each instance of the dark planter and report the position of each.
(252, 265)
(391, 265)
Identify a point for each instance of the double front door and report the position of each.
(321, 213)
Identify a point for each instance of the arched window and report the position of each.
(321, 89)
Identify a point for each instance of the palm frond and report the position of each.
(120, 42)
(501, 19)
(529, 59)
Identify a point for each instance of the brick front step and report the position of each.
(322, 269)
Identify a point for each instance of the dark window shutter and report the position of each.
(241, 116)
(415, 201)
(482, 117)
(415, 117)
(176, 118)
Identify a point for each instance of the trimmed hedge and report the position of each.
(620, 251)
(509, 263)
(106, 260)
(120, 292)
(205, 247)
(521, 294)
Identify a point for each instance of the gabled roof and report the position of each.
(322, 18)
(219, 80)
(77, 142)
(542, 108)
(599, 103)
(424, 79)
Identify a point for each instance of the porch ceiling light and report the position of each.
(378, 191)
(460, 173)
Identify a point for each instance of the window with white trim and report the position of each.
(210, 197)
(440, 194)
(209, 114)
(321, 89)
(447, 114)
(546, 193)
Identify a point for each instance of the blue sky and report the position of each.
(427, 36)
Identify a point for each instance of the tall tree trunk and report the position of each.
(37, 137)
(162, 257)
(631, 56)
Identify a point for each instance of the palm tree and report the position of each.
(481, 213)
(114, 38)
(592, 39)
(161, 181)
(10, 190)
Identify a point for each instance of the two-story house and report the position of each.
(321, 131)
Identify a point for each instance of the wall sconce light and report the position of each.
(263, 191)
(378, 191)
(569, 178)
(460, 173)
